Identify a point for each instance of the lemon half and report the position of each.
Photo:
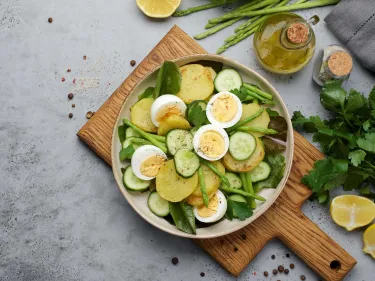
(352, 211)
(369, 241)
(158, 8)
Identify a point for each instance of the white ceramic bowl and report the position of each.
(139, 200)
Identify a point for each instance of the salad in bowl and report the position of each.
(201, 150)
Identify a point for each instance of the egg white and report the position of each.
(229, 123)
(207, 128)
(140, 155)
(220, 211)
(163, 102)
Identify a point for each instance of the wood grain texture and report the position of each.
(283, 220)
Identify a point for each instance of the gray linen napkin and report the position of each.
(353, 22)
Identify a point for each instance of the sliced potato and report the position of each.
(197, 201)
(211, 180)
(140, 115)
(172, 122)
(171, 186)
(245, 165)
(262, 121)
(196, 84)
(212, 71)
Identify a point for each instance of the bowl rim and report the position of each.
(290, 145)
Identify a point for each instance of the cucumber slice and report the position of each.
(237, 198)
(128, 141)
(227, 80)
(179, 139)
(130, 132)
(131, 182)
(242, 145)
(234, 180)
(260, 172)
(186, 163)
(158, 205)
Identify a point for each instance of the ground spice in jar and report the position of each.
(50, 20)
(174, 261)
(340, 63)
(132, 62)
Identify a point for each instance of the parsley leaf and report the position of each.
(272, 113)
(371, 98)
(367, 143)
(310, 125)
(197, 115)
(241, 95)
(333, 96)
(126, 153)
(357, 156)
(241, 210)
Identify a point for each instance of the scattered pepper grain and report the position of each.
(288, 255)
(274, 271)
(89, 114)
(50, 20)
(84, 58)
(303, 277)
(273, 257)
(132, 62)
(291, 265)
(70, 96)
(235, 249)
(69, 70)
(70, 115)
(73, 105)
(243, 236)
(265, 273)
(63, 79)
(280, 268)
(174, 261)
(202, 274)
(286, 271)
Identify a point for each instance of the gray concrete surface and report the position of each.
(62, 216)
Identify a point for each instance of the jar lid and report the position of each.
(340, 63)
(298, 33)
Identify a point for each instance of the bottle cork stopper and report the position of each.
(297, 33)
(340, 63)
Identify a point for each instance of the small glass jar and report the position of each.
(285, 42)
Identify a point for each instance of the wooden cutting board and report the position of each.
(284, 220)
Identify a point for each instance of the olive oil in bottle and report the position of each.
(285, 42)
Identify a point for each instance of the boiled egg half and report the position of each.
(211, 142)
(165, 106)
(147, 161)
(217, 206)
(224, 109)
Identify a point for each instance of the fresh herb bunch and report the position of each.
(348, 140)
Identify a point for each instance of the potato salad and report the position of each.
(204, 144)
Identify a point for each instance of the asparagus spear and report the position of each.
(250, 190)
(247, 120)
(191, 10)
(257, 130)
(307, 5)
(238, 9)
(241, 192)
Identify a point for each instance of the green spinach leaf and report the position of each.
(148, 93)
(168, 80)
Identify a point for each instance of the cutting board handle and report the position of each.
(312, 245)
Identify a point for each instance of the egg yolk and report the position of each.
(151, 166)
(211, 143)
(224, 108)
(168, 111)
(206, 212)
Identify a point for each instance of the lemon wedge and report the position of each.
(352, 211)
(158, 8)
(369, 241)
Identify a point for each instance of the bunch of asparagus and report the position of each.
(255, 10)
